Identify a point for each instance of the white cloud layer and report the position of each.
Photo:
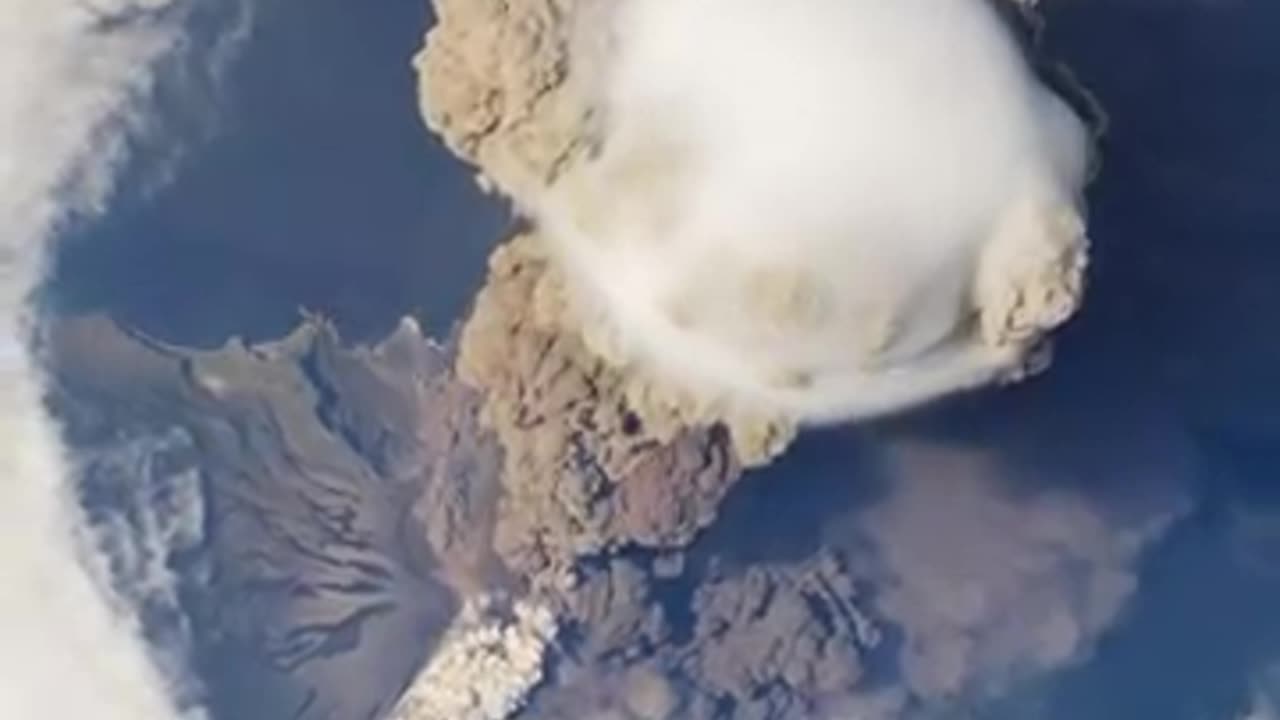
(156, 513)
(74, 78)
(826, 209)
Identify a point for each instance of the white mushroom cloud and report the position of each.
(818, 209)
(75, 76)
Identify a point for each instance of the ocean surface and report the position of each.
(313, 185)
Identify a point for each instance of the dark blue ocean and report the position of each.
(312, 184)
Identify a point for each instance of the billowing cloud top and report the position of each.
(823, 209)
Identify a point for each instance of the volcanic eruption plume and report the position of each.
(819, 210)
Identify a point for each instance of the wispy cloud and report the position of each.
(75, 79)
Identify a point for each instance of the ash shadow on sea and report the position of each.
(777, 513)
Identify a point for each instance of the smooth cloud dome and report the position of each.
(818, 209)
